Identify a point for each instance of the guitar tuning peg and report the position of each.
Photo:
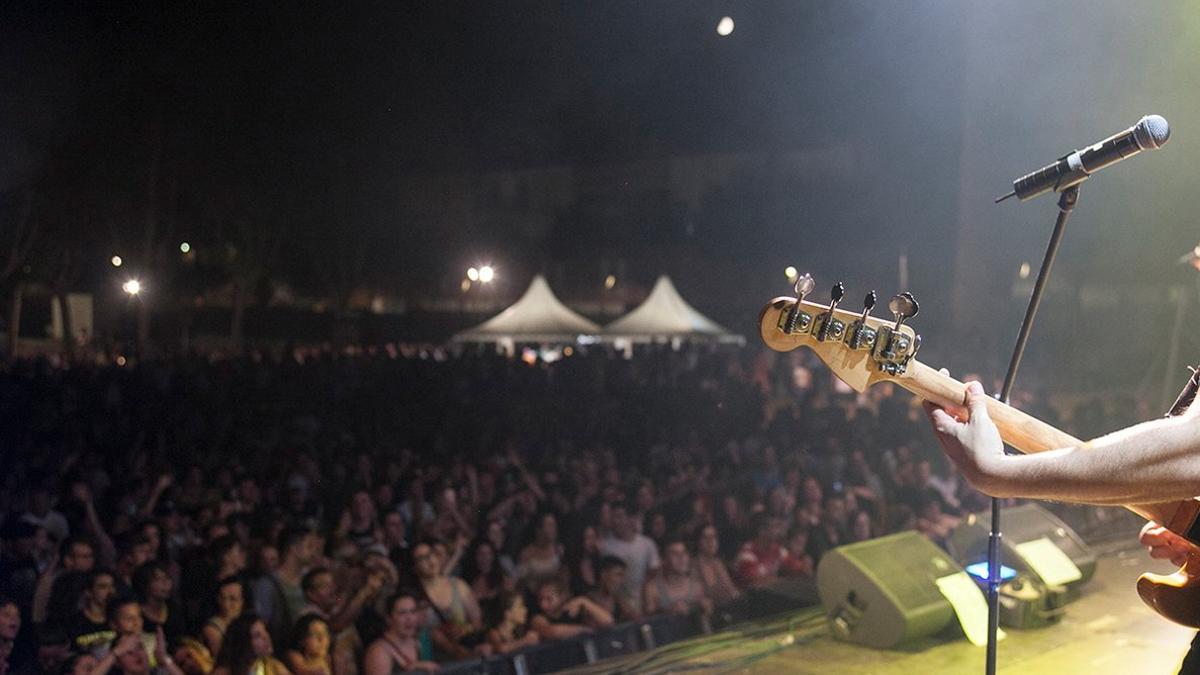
(839, 290)
(804, 285)
(836, 294)
(868, 304)
(903, 307)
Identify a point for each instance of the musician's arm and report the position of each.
(1151, 462)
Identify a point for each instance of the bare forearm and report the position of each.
(1151, 462)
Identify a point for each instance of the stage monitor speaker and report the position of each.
(968, 544)
(883, 592)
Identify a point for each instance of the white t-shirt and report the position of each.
(640, 556)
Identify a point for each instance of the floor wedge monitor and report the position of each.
(883, 592)
(1036, 542)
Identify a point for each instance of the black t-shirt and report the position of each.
(87, 635)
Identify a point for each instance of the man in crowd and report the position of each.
(637, 551)
(278, 595)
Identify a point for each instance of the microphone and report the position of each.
(1150, 133)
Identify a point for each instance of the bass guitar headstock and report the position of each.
(859, 348)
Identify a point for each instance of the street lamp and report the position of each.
(132, 287)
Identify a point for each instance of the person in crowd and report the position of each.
(542, 558)
(560, 618)
(359, 522)
(454, 614)
(308, 652)
(134, 659)
(637, 551)
(415, 510)
(711, 570)
(231, 602)
(759, 560)
(507, 621)
(88, 628)
(10, 628)
(675, 589)
(934, 523)
(583, 560)
(395, 536)
(609, 590)
(482, 570)
(60, 584)
(403, 646)
(248, 649)
(88, 663)
(154, 590)
(495, 534)
(278, 597)
(228, 557)
(799, 562)
(133, 551)
(862, 527)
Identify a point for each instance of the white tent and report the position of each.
(665, 315)
(538, 316)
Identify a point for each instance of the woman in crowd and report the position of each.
(482, 571)
(583, 560)
(559, 618)
(674, 589)
(542, 558)
(711, 570)
(455, 617)
(231, 600)
(495, 534)
(247, 650)
(508, 624)
(402, 647)
(308, 653)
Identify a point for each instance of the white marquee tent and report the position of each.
(665, 315)
(538, 316)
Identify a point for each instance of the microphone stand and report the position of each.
(1066, 203)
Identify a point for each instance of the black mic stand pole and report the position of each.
(1066, 203)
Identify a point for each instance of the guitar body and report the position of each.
(787, 323)
(1174, 596)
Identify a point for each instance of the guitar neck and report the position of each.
(1029, 435)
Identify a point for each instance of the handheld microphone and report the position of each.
(1150, 133)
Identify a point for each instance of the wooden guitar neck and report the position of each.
(1029, 435)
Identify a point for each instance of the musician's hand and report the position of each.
(974, 446)
(1164, 544)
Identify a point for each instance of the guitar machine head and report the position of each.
(859, 348)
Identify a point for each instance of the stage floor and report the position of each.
(1108, 630)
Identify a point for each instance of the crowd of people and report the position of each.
(387, 509)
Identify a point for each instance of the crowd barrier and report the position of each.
(628, 638)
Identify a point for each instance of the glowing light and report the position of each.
(486, 274)
(790, 272)
(116, 261)
(132, 287)
(1024, 271)
(121, 361)
(568, 351)
(473, 274)
(724, 26)
(185, 247)
(465, 285)
(610, 281)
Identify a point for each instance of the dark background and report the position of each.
(323, 157)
